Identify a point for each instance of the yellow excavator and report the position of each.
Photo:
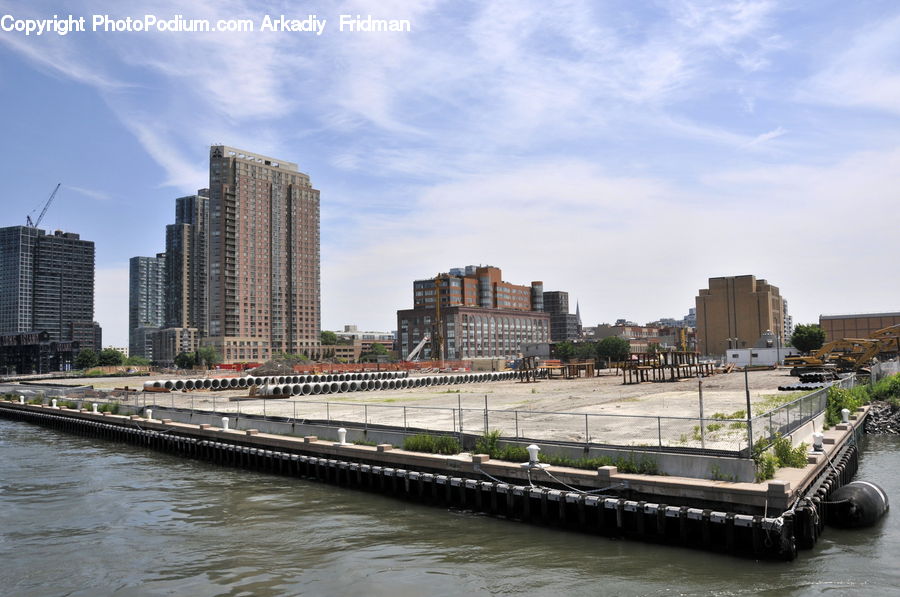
(848, 354)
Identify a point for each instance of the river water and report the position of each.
(83, 517)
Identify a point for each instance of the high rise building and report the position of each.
(563, 325)
(735, 311)
(481, 315)
(47, 284)
(187, 264)
(146, 302)
(264, 281)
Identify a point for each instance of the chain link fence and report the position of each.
(684, 434)
(789, 417)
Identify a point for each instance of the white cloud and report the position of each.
(765, 137)
(865, 74)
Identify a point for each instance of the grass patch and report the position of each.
(773, 401)
(365, 442)
(432, 444)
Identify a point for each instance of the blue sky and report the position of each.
(622, 151)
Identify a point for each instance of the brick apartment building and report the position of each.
(482, 316)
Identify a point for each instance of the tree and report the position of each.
(86, 359)
(565, 350)
(137, 361)
(613, 348)
(374, 352)
(185, 360)
(586, 351)
(807, 338)
(207, 356)
(328, 338)
(110, 357)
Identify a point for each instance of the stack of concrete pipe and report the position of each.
(333, 383)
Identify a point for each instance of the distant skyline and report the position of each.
(624, 152)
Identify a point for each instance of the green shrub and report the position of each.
(109, 407)
(888, 390)
(765, 467)
(490, 444)
(787, 455)
(431, 444)
(840, 398)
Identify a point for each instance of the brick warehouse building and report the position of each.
(857, 325)
(482, 316)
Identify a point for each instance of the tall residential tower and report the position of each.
(264, 289)
(47, 284)
(146, 302)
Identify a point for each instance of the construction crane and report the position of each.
(849, 354)
(414, 353)
(37, 223)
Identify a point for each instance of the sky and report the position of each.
(622, 151)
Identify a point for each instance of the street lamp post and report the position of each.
(747, 392)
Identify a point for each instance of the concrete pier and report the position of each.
(766, 520)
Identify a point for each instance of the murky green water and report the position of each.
(85, 518)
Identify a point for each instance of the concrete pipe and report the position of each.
(376, 384)
(401, 383)
(330, 387)
(168, 384)
(242, 382)
(315, 388)
(352, 386)
(343, 386)
(392, 384)
(296, 389)
(277, 390)
(150, 384)
(190, 384)
(215, 384)
(179, 384)
(305, 389)
(335, 387)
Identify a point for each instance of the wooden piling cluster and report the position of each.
(607, 515)
(664, 366)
